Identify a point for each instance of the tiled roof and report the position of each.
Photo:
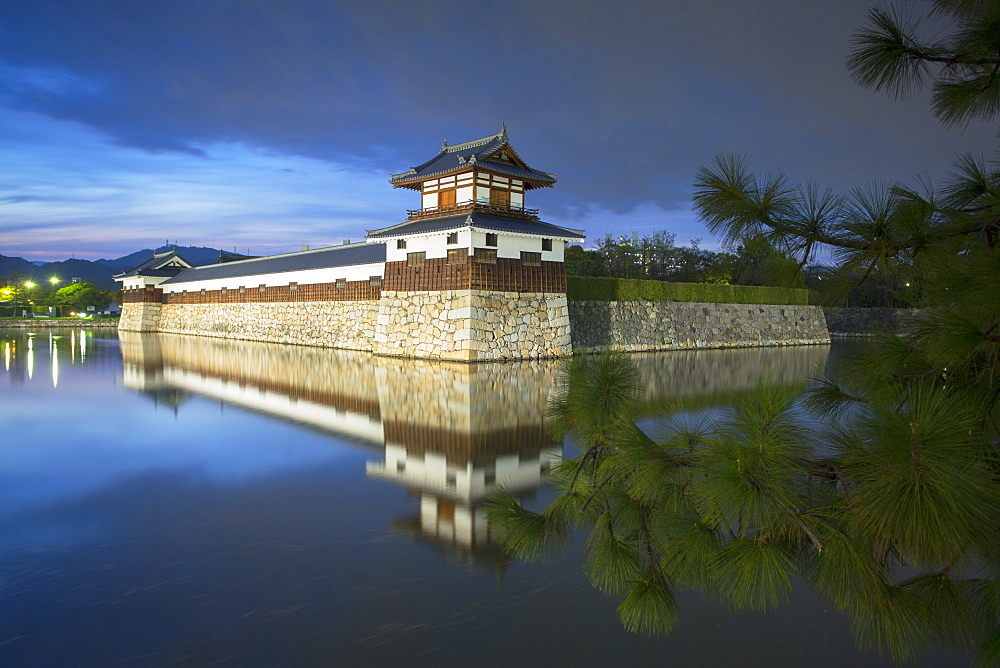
(474, 153)
(321, 258)
(151, 267)
(483, 220)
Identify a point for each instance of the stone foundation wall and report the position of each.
(647, 325)
(140, 316)
(335, 324)
(480, 325)
(473, 325)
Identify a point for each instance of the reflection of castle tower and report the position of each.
(481, 430)
(450, 432)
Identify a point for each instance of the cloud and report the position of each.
(624, 101)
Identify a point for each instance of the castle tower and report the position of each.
(473, 274)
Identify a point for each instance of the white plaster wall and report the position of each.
(357, 272)
(429, 200)
(435, 244)
(463, 194)
(510, 245)
(142, 281)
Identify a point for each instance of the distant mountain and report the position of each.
(196, 255)
(8, 264)
(65, 271)
(99, 272)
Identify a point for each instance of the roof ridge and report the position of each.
(474, 143)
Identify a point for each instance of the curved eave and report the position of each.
(531, 182)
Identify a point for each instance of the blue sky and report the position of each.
(264, 125)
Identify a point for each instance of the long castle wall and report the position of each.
(333, 324)
(648, 325)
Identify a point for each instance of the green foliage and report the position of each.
(889, 54)
(622, 289)
(890, 508)
(889, 505)
(82, 295)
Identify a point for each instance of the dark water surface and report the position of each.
(179, 499)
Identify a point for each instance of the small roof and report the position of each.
(493, 153)
(320, 258)
(157, 265)
(475, 219)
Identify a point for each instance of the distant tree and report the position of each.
(83, 295)
(580, 262)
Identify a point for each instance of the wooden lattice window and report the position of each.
(491, 239)
(453, 237)
(486, 256)
(293, 286)
(416, 259)
(458, 255)
(529, 259)
(341, 283)
(400, 244)
(375, 281)
(546, 244)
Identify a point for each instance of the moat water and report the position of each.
(178, 499)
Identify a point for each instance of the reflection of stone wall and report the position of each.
(341, 379)
(866, 321)
(694, 373)
(334, 324)
(472, 325)
(459, 397)
(648, 325)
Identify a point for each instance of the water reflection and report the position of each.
(449, 433)
(235, 526)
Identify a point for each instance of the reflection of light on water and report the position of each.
(31, 360)
(6, 356)
(55, 365)
(83, 345)
(72, 346)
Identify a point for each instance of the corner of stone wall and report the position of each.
(140, 317)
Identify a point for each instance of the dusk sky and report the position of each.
(263, 125)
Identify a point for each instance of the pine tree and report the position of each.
(890, 508)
